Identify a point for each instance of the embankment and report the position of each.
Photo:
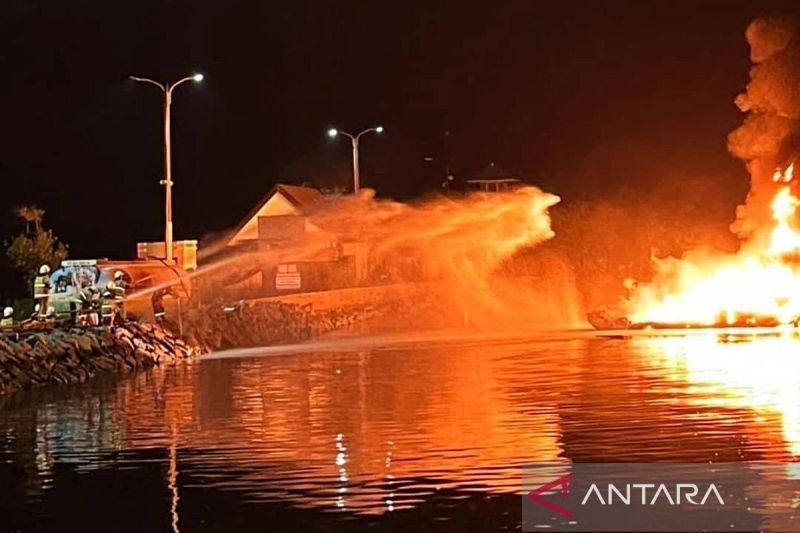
(407, 306)
(32, 359)
(74, 355)
(267, 322)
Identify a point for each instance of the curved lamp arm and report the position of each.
(148, 80)
(187, 78)
(342, 132)
(377, 129)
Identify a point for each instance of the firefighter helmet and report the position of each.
(118, 275)
(44, 269)
(7, 312)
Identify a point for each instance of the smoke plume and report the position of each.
(769, 138)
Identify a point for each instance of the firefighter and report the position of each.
(119, 294)
(8, 318)
(87, 307)
(41, 290)
(157, 300)
(107, 305)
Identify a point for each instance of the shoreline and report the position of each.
(69, 354)
(73, 355)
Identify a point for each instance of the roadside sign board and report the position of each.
(287, 278)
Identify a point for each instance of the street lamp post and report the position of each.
(167, 89)
(333, 132)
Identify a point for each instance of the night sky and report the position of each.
(583, 98)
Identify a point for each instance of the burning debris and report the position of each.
(760, 283)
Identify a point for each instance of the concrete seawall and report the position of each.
(74, 355)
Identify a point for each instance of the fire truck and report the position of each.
(76, 280)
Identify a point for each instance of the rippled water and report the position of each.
(385, 432)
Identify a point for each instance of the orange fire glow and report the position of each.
(759, 284)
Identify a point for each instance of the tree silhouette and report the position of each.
(31, 214)
(30, 250)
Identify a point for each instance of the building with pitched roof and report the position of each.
(311, 258)
(270, 215)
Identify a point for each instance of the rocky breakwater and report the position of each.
(74, 355)
(264, 323)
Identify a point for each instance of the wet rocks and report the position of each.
(261, 323)
(74, 355)
(47, 354)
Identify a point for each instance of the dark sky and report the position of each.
(583, 97)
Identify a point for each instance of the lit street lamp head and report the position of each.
(333, 132)
(379, 129)
(197, 77)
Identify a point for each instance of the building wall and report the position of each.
(315, 276)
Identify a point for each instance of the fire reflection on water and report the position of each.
(172, 479)
(373, 431)
(761, 373)
(366, 424)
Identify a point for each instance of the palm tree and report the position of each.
(31, 214)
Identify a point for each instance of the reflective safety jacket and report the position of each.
(41, 287)
(107, 305)
(6, 322)
(119, 292)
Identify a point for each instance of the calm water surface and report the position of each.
(384, 434)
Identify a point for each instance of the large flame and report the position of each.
(784, 239)
(760, 284)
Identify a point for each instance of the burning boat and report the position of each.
(759, 285)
